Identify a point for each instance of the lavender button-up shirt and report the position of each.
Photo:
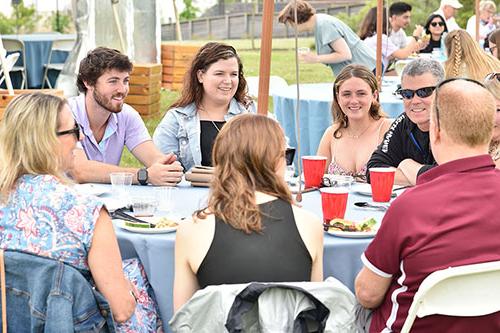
(123, 129)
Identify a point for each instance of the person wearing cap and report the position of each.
(424, 230)
(448, 9)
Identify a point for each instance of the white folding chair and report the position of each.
(463, 291)
(63, 45)
(16, 45)
(6, 67)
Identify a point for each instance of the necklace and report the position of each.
(213, 123)
(357, 136)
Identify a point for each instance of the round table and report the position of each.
(341, 256)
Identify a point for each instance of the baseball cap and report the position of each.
(454, 3)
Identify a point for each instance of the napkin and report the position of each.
(200, 175)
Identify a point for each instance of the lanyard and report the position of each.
(416, 144)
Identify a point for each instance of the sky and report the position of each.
(167, 10)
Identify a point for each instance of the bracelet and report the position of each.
(133, 295)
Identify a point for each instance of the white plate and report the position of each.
(92, 189)
(366, 190)
(353, 234)
(121, 224)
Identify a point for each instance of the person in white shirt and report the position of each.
(487, 10)
(447, 9)
(399, 19)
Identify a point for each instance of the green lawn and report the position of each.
(282, 64)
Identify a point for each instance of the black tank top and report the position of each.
(277, 254)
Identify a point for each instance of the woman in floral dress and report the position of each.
(41, 213)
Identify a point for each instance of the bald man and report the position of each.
(424, 229)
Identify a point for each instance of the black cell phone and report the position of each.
(289, 155)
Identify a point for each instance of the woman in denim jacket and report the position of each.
(42, 214)
(214, 91)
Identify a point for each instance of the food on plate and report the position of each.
(426, 38)
(162, 222)
(166, 223)
(350, 226)
(136, 224)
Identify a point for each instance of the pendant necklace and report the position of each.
(216, 127)
(360, 134)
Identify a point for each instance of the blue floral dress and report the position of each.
(48, 218)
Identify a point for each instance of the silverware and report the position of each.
(364, 204)
(120, 214)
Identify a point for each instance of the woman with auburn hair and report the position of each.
(42, 214)
(359, 123)
(250, 214)
(492, 83)
(466, 58)
(336, 44)
(214, 91)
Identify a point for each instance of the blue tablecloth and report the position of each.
(37, 49)
(156, 251)
(315, 115)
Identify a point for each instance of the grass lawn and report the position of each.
(282, 64)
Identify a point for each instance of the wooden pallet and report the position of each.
(176, 60)
(144, 88)
(5, 98)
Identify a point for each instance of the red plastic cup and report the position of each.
(314, 169)
(382, 180)
(333, 202)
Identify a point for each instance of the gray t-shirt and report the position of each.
(328, 29)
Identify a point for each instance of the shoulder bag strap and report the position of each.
(4, 298)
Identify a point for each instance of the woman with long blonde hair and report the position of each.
(250, 229)
(492, 83)
(41, 214)
(466, 58)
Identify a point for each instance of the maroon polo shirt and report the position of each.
(450, 218)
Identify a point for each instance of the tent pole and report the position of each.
(266, 45)
(378, 68)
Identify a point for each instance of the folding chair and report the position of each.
(58, 45)
(463, 291)
(6, 67)
(13, 45)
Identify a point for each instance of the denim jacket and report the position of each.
(179, 132)
(45, 295)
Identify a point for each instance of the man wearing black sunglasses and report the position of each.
(449, 219)
(406, 143)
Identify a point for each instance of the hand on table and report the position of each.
(165, 171)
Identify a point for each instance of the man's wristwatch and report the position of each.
(142, 176)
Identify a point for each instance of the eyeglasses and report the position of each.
(421, 92)
(442, 83)
(492, 76)
(435, 24)
(75, 130)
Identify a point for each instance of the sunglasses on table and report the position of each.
(421, 92)
(75, 130)
(435, 24)
(493, 76)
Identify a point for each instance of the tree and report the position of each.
(60, 22)
(24, 18)
(190, 11)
